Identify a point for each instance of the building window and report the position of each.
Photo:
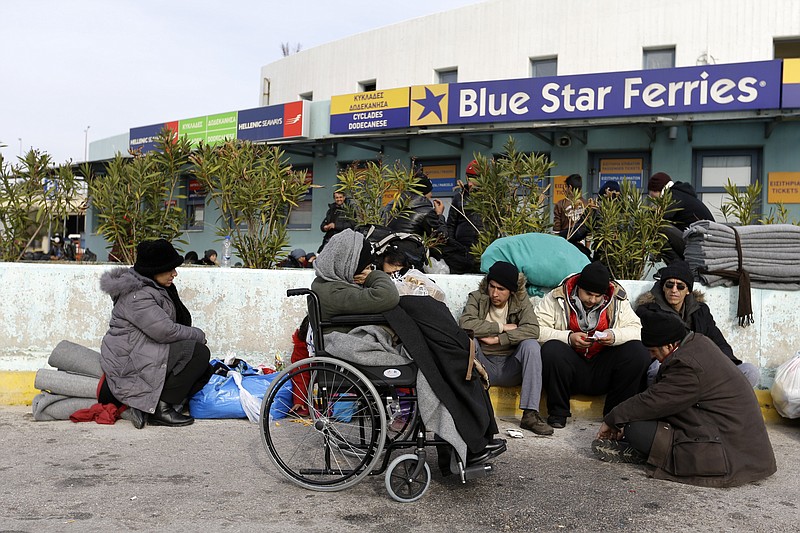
(713, 169)
(544, 67)
(309, 96)
(447, 75)
(659, 58)
(300, 217)
(787, 48)
(195, 205)
(367, 86)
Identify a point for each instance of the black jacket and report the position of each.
(688, 207)
(463, 224)
(420, 218)
(337, 215)
(441, 351)
(696, 316)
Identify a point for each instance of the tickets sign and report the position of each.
(783, 187)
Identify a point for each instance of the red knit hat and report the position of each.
(658, 181)
(472, 168)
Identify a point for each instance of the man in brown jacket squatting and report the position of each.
(699, 423)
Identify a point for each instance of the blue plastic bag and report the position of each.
(220, 397)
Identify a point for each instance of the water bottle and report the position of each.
(226, 252)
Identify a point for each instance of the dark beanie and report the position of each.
(365, 258)
(677, 270)
(594, 278)
(155, 257)
(425, 186)
(660, 328)
(658, 181)
(505, 274)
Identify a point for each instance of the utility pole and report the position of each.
(86, 144)
(20, 145)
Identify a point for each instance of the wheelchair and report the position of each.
(357, 417)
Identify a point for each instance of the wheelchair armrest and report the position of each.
(354, 320)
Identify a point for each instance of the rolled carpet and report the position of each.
(75, 358)
(66, 383)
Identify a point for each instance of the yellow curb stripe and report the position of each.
(505, 401)
(16, 388)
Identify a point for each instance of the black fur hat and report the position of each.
(155, 257)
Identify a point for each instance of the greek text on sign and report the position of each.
(783, 187)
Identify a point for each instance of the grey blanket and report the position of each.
(75, 358)
(372, 346)
(47, 407)
(66, 383)
(770, 254)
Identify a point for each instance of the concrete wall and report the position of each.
(247, 312)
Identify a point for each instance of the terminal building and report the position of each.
(705, 90)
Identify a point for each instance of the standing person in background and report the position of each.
(191, 258)
(464, 226)
(336, 219)
(152, 358)
(686, 208)
(568, 213)
(423, 215)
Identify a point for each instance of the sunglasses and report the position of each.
(672, 284)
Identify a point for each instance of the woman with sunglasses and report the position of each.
(673, 292)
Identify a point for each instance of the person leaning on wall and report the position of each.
(152, 358)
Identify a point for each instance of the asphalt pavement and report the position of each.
(216, 476)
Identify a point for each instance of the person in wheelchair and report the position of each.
(459, 411)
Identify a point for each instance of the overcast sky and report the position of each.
(105, 65)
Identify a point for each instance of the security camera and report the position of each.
(564, 141)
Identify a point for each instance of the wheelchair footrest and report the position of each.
(476, 471)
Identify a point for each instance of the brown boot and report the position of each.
(533, 422)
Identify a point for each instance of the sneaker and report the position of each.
(533, 422)
(557, 422)
(617, 451)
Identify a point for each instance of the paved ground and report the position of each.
(216, 476)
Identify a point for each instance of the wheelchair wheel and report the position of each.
(401, 484)
(340, 441)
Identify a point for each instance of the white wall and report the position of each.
(495, 39)
(247, 311)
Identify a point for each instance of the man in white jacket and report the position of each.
(591, 343)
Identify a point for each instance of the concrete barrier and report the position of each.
(247, 312)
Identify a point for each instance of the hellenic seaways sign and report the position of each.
(258, 125)
(374, 110)
(704, 89)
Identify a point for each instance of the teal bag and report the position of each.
(544, 259)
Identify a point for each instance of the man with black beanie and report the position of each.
(501, 318)
(590, 342)
(699, 423)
